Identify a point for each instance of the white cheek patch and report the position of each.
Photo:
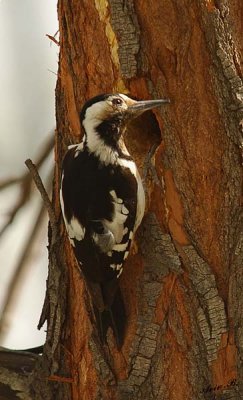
(94, 116)
(96, 113)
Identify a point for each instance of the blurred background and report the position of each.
(28, 67)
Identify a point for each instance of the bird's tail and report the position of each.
(113, 315)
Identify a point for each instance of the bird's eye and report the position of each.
(117, 102)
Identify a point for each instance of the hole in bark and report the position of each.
(142, 133)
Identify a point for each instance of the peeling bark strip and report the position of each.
(160, 259)
(125, 24)
(211, 309)
(227, 73)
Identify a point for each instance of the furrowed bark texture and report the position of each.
(183, 281)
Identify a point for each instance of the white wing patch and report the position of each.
(121, 269)
(116, 266)
(120, 214)
(126, 254)
(120, 247)
(75, 230)
(114, 230)
(116, 226)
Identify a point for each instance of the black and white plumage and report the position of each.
(102, 201)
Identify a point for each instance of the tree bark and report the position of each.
(182, 283)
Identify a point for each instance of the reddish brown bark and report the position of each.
(184, 51)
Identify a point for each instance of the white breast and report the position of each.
(140, 192)
(140, 202)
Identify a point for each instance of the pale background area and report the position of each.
(28, 65)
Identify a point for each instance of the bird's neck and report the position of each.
(105, 141)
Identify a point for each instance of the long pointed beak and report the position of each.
(141, 106)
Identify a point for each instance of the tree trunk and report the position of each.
(182, 283)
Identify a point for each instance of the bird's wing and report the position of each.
(100, 223)
(99, 210)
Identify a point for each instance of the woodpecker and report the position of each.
(102, 201)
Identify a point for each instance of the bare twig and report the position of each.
(53, 39)
(47, 202)
(53, 222)
(52, 71)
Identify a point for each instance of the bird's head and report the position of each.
(117, 108)
(104, 117)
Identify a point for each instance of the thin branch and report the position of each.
(53, 39)
(47, 202)
(52, 71)
(53, 222)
